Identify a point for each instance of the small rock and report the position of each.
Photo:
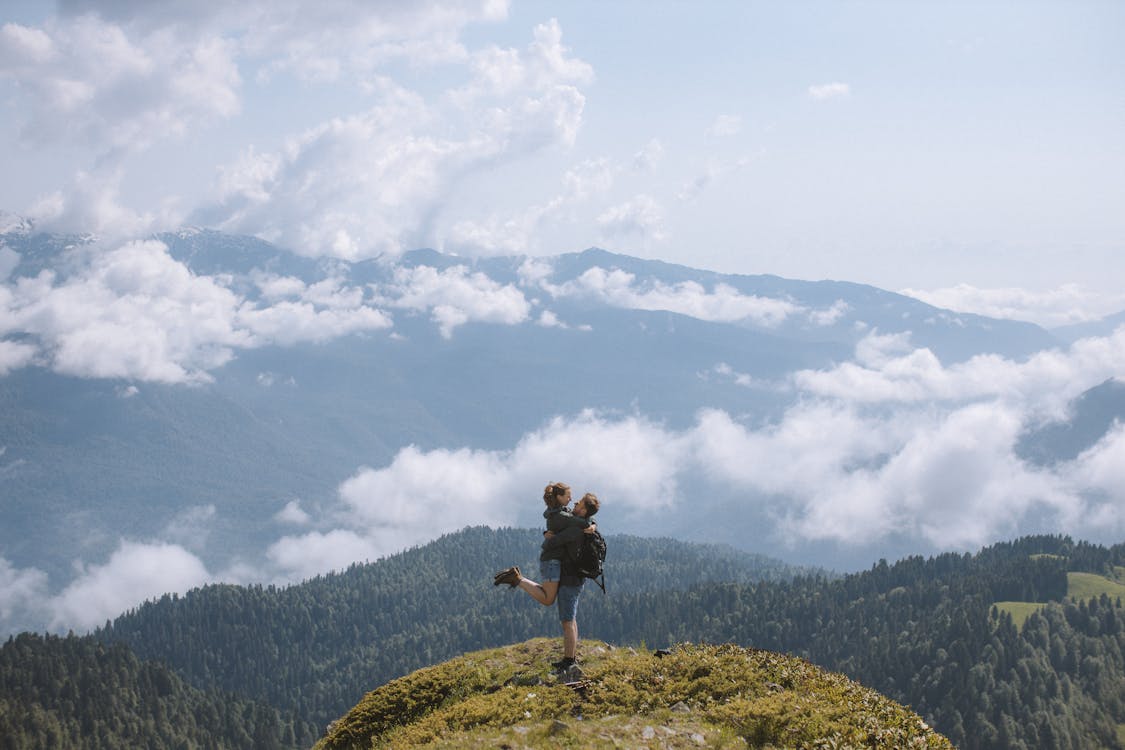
(668, 731)
(557, 727)
(661, 653)
(698, 739)
(648, 733)
(520, 730)
(680, 707)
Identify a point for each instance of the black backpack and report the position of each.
(591, 558)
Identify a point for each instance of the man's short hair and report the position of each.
(592, 504)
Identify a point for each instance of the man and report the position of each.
(570, 583)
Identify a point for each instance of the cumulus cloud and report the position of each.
(646, 160)
(308, 555)
(640, 217)
(23, 592)
(89, 80)
(293, 513)
(91, 204)
(371, 184)
(835, 90)
(134, 573)
(455, 296)
(1067, 304)
(887, 369)
(135, 312)
(722, 303)
(837, 467)
(522, 231)
(422, 494)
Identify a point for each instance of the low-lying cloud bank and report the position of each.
(133, 311)
(892, 446)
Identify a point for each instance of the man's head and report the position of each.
(587, 506)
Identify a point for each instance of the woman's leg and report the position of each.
(544, 593)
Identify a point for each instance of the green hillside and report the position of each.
(1079, 587)
(922, 631)
(79, 693)
(692, 696)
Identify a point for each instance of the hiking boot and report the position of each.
(564, 664)
(511, 576)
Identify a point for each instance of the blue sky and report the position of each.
(970, 153)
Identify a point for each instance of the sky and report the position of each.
(970, 154)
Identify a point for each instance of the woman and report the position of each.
(556, 496)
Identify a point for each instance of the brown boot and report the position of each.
(511, 576)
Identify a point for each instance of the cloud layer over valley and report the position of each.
(891, 444)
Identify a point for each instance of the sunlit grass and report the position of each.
(719, 696)
(1090, 585)
(1019, 611)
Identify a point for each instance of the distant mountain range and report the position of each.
(329, 367)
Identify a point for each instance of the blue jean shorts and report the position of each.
(550, 570)
(567, 600)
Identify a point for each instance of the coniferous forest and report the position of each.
(934, 634)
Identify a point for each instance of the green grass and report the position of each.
(719, 696)
(1019, 611)
(1079, 587)
(1090, 585)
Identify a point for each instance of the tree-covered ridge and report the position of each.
(81, 693)
(687, 696)
(316, 647)
(922, 631)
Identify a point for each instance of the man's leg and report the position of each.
(570, 639)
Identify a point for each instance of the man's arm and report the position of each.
(566, 536)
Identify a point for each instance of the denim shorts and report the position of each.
(567, 600)
(550, 570)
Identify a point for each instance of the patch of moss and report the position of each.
(693, 696)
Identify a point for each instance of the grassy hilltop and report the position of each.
(720, 696)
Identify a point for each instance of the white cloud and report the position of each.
(725, 126)
(91, 204)
(648, 158)
(455, 296)
(293, 513)
(89, 80)
(308, 555)
(191, 526)
(889, 370)
(835, 90)
(135, 312)
(372, 183)
(1065, 305)
(15, 355)
(722, 303)
(134, 573)
(640, 217)
(523, 231)
(714, 171)
(23, 593)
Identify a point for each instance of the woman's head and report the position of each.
(556, 494)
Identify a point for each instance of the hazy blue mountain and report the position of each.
(1090, 416)
(1102, 327)
(86, 461)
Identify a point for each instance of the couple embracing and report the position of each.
(560, 581)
